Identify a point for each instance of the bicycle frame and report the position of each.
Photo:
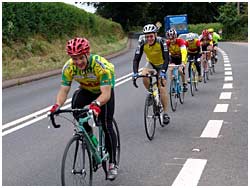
(176, 77)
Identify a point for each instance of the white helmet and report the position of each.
(190, 36)
(150, 28)
(171, 33)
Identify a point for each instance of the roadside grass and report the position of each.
(38, 55)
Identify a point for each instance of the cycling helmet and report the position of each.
(150, 28)
(78, 46)
(205, 33)
(190, 37)
(171, 34)
(210, 30)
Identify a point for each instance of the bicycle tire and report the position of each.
(173, 96)
(181, 96)
(196, 80)
(149, 127)
(191, 83)
(74, 147)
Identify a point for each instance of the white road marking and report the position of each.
(190, 173)
(225, 95)
(228, 86)
(221, 108)
(227, 65)
(228, 73)
(41, 114)
(227, 68)
(226, 61)
(228, 78)
(212, 129)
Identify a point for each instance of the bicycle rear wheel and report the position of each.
(181, 95)
(192, 81)
(173, 95)
(76, 163)
(149, 117)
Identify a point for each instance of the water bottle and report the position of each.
(94, 140)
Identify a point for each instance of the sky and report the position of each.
(87, 8)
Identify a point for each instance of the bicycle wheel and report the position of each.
(149, 117)
(181, 94)
(118, 145)
(192, 81)
(213, 64)
(173, 95)
(195, 76)
(76, 163)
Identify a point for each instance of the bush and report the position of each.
(51, 20)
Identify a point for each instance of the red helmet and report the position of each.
(78, 46)
(205, 33)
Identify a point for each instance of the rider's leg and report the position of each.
(164, 100)
(145, 80)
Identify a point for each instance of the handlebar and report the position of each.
(52, 118)
(147, 76)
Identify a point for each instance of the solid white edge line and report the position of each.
(33, 115)
(190, 173)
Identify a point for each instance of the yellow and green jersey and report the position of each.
(99, 72)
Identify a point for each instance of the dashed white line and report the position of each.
(228, 86)
(227, 65)
(225, 95)
(228, 73)
(190, 173)
(212, 129)
(228, 78)
(221, 108)
(227, 68)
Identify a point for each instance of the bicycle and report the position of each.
(213, 60)
(153, 107)
(176, 90)
(193, 77)
(83, 155)
(205, 64)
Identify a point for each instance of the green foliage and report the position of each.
(234, 25)
(51, 20)
(197, 28)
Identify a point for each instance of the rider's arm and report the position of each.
(165, 55)
(137, 57)
(105, 94)
(62, 95)
(183, 54)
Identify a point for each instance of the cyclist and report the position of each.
(178, 54)
(157, 59)
(96, 78)
(216, 37)
(206, 45)
(194, 51)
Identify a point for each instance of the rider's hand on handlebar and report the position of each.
(135, 75)
(163, 74)
(95, 107)
(54, 108)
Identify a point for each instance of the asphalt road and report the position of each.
(178, 155)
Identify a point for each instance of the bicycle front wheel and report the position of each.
(76, 163)
(149, 117)
(173, 95)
